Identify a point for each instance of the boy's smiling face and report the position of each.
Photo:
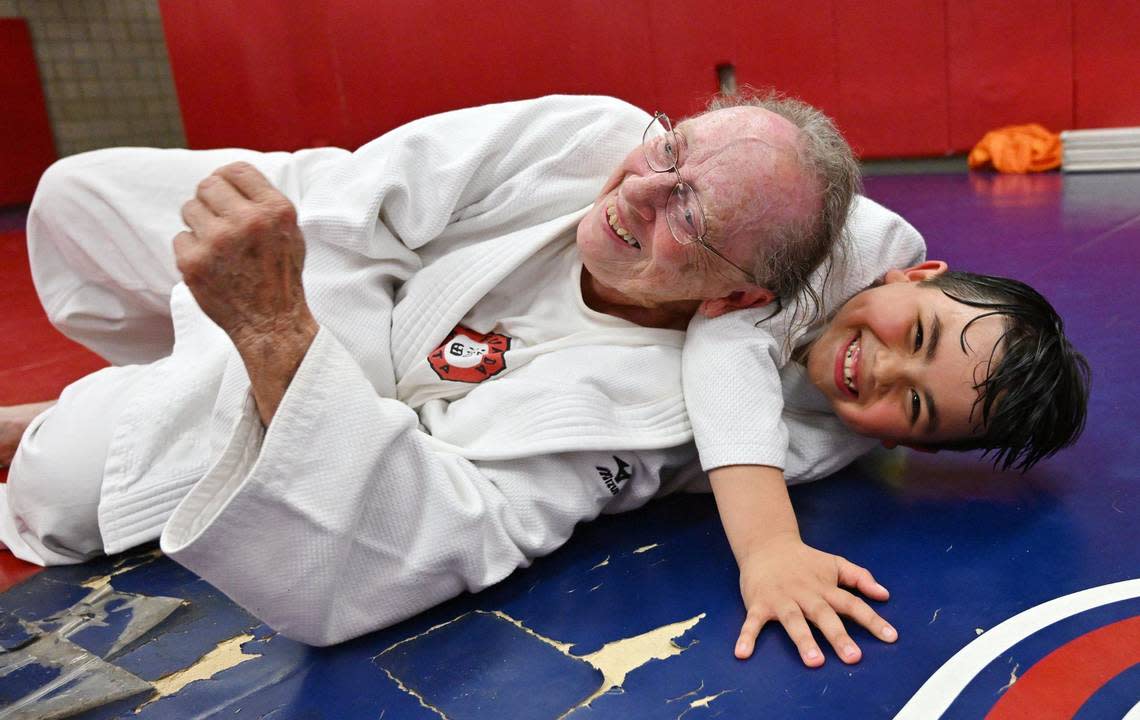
(892, 363)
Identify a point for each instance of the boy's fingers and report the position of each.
(832, 628)
(746, 643)
(860, 578)
(855, 608)
(797, 628)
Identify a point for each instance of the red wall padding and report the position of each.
(1010, 63)
(1106, 63)
(891, 99)
(26, 145)
(902, 77)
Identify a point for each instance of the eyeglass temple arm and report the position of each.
(708, 246)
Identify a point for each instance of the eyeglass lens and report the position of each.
(684, 215)
(660, 145)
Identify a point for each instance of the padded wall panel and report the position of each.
(26, 144)
(1008, 63)
(258, 74)
(1106, 63)
(892, 76)
(680, 54)
(273, 75)
(787, 45)
(781, 44)
(920, 77)
(419, 58)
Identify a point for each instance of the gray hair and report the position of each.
(784, 263)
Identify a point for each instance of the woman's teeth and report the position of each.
(849, 365)
(611, 214)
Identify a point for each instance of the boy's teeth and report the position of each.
(848, 378)
(611, 215)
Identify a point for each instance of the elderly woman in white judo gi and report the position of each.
(402, 372)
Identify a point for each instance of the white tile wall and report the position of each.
(105, 72)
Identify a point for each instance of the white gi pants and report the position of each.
(99, 242)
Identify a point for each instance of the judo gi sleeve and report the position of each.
(730, 371)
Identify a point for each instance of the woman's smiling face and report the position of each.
(895, 365)
(742, 164)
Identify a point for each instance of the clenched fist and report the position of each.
(242, 259)
(243, 255)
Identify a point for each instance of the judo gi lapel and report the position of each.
(437, 298)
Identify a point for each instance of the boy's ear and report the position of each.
(751, 296)
(917, 273)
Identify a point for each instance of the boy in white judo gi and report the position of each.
(925, 358)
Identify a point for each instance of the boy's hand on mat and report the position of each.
(789, 582)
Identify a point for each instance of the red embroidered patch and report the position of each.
(468, 356)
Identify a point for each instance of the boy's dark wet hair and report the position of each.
(1033, 400)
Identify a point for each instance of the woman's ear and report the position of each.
(751, 296)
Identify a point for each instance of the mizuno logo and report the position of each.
(614, 478)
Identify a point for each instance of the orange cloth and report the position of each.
(1018, 149)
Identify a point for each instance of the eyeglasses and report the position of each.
(683, 211)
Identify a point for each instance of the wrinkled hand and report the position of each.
(790, 582)
(243, 255)
(242, 259)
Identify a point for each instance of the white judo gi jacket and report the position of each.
(352, 511)
(348, 513)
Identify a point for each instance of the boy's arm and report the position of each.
(783, 579)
